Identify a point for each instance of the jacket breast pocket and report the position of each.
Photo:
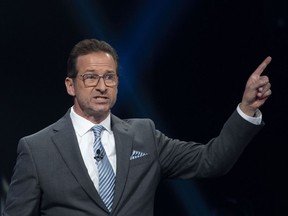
(140, 167)
(141, 160)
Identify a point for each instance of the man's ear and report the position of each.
(70, 86)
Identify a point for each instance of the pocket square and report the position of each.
(137, 154)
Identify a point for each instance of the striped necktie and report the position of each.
(105, 171)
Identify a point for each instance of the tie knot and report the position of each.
(97, 129)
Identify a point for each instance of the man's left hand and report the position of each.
(257, 90)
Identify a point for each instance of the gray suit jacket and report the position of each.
(50, 177)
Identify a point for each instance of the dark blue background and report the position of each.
(183, 63)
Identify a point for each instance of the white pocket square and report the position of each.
(137, 154)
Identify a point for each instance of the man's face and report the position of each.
(93, 103)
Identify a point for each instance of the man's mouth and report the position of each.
(101, 99)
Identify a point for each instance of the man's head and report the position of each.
(92, 79)
(85, 47)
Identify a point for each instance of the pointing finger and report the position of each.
(262, 66)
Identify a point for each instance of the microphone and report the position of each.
(99, 155)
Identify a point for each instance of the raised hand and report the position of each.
(257, 90)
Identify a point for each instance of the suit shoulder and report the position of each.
(42, 131)
(139, 121)
(48, 130)
(135, 124)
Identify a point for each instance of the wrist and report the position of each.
(247, 109)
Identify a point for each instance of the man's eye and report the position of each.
(90, 76)
(109, 76)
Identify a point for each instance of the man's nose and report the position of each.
(101, 84)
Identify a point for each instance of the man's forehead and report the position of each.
(96, 59)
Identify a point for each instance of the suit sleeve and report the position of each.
(23, 197)
(185, 160)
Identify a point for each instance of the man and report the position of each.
(59, 170)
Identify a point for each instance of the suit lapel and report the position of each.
(66, 142)
(123, 142)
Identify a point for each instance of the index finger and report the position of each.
(262, 66)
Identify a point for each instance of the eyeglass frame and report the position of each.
(98, 77)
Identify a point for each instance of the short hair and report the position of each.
(85, 47)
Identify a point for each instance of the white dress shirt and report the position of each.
(85, 137)
(257, 119)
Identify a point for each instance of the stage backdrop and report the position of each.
(180, 61)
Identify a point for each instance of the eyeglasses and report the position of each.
(92, 80)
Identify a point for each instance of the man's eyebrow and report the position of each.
(95, 71)
(90, 70)
(110, 71)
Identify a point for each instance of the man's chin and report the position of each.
(101, 112)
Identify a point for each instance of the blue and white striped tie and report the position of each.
(105, 171)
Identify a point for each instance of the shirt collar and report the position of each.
(82, 125)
